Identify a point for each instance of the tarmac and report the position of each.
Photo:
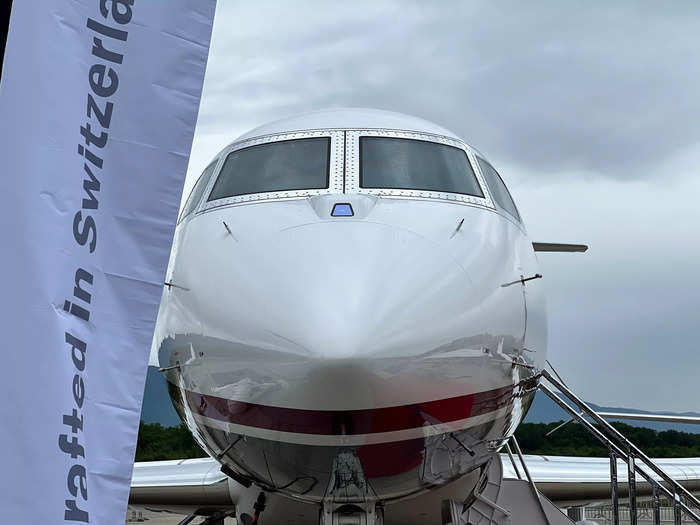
(146, 517)
(158, 518)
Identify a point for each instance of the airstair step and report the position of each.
(508, 502)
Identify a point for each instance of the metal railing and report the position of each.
(533, 487)
(133, 516)
(638, 463)
(604, 514)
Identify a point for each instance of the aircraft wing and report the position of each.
(182, 486)
(660, 418)
(570, 480)
(187, 485)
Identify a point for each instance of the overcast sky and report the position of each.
(590, 112)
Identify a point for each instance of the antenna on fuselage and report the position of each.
(558, 247)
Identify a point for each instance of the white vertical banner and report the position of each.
(98, 104)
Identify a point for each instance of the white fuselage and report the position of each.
(377, 355)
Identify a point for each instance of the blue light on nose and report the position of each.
(342, 209)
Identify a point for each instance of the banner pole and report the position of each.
(5, 10)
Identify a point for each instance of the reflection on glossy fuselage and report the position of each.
(365, 357)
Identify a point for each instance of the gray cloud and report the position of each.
(555, 86)
(623, 317)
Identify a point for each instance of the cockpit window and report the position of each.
(301, 164)
(198, 190)
(498, 189)
(409, 164)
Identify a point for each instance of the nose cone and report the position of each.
(342, 313)
(346, 290)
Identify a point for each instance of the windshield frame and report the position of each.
(335, 169)
(352, 181)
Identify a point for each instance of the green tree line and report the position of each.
(157, 442)
(574, 440)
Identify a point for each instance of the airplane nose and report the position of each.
(338, 314)
(339, 290)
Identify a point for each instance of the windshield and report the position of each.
(198, 190)
(301, 164)
(415, 165)
(498, 189)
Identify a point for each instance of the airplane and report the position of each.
(353, 324)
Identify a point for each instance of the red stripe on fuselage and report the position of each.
(351, 422)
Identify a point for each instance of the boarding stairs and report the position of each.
(498, 501)
(501, 501)
(619, 447)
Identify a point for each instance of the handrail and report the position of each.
(618, 453)
(620, 447)
(531, 482)
(512, 460)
